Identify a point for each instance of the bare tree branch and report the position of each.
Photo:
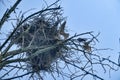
(8, 12)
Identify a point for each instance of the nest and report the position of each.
(41, 31)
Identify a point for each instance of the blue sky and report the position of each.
(89, 15)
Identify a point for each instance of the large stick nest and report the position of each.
(42, 30)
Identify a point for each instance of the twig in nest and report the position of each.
(62, 31)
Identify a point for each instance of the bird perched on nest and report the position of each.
(81, 39)
(86, 44)
(62, 32)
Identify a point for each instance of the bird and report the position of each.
(81, 39)
(86, 46)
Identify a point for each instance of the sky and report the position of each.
(88, 15)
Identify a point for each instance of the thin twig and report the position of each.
(8, 12)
